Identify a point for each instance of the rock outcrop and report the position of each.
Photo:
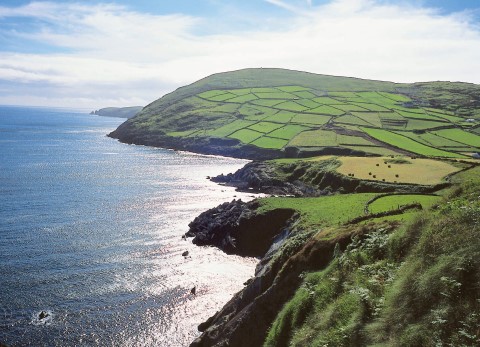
(236, 228)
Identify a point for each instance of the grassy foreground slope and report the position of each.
(274, 112)
(411, 285)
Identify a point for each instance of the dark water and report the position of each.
(90, 233)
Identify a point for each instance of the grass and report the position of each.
(281, 117)
(270, 142)
(267, 102)
(288, 131)
(372, 118)
(310, 119)
(328, 110)
(322, 211)
(243, 98)
(393, 202)
(265, 127)
(222, 97)
(408, 144)
(431, 139)
(230, 128)
(291, 106)
(292, 88)
(372, 107)
(351, 108)
(417, 171)
(246, 135)
(413, 285)
(275, 95)
(315, 138)
(325, 100)
(372, 149)
(305, 94)
(307, 103)
(461, 136)
(349, 119)
(207, 106)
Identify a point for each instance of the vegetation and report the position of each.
(397, 169)
(410, 285)
(416, 112)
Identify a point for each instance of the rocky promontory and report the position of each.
(237, 228)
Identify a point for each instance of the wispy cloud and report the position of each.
(117, 56)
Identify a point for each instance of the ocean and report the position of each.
(90, 235)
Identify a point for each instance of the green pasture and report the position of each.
(372, 118)
(328, 110)
(308, 103)
(281, 117)
(351, 108)
(372, 107)
(394, 202)
(269, 142)
(315, 138)
(246, 135)
(243, 98)
(265, 127)
(267, 102)
(322, 211)
(275, 95)
(310, 119)
(460, 135)
(291, 106)
(288, 132)
(289, 112)
(408, 144)
(305, 94)
(230, 128)
(354, 120)
(292, 88)
(325, 100)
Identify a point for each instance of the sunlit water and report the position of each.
(90, 233)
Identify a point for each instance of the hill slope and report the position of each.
(269, 113)
(118, 112)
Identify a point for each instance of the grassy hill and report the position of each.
(118, 112)
(275, 112)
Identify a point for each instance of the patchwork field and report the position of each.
(299, 117)
(431, 120)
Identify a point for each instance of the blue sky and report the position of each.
(116, 53)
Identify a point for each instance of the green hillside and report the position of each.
(282, 112)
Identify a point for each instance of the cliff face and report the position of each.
(246, 318)
(236, 228)
(306, 178)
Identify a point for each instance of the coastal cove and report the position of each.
(91, 233)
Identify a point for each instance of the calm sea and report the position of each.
(90, 233)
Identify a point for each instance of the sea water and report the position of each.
(90, 234)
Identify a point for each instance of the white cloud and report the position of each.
(129, 56)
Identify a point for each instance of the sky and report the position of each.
(92, 54)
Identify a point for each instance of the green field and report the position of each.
(288, 132)
(269, 142)
(460, 136)
(322, 211)
(246, 135)
(394, 202)
(316, 102)
(265, 127)
(310, 119)
(315, 138)
(408, 144)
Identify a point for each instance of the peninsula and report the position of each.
(370, 235)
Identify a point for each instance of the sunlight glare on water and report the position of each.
(90, 233)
